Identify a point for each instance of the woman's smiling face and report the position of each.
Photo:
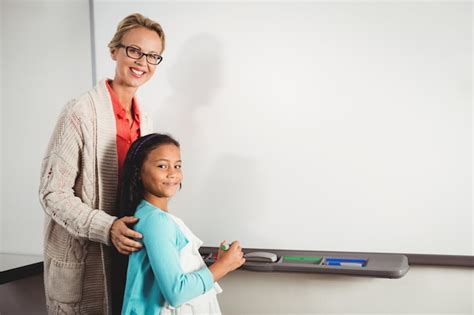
(135, 72)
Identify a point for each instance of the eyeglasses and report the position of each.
(136, 53)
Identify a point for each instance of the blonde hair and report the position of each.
(133, 21)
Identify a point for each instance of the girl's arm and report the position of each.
(160, 240)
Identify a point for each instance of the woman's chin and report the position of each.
(132, 81)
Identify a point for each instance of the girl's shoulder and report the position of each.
(155, 224)
(150, 215)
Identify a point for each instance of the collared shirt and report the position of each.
(125, 134)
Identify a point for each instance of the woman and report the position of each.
(80, 175)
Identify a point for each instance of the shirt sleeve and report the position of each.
(60, 170)
(177, 287)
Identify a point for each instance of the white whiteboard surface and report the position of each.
(311, 125)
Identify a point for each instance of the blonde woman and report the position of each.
(86, 245)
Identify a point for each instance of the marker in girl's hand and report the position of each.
(225, 247)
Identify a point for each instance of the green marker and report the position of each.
(225, 247)
(303, 259)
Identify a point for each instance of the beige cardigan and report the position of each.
(78, 193)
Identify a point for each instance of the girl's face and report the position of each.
(135, 72)
(161, 172)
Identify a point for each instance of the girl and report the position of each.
(168, 276)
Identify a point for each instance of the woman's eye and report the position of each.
(134, 52)
(162, 166)
(178, 166)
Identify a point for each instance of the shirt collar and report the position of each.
(119, 111)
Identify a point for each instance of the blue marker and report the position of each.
(353, 262)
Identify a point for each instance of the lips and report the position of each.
(171, 184)
(137, 72)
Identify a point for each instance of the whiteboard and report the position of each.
(317, 126)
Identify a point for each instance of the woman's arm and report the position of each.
(160, 241)
(60, 170)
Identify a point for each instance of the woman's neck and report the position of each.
(159, 202)
(124, 93)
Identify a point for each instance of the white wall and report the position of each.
(46, 60)
(1, 123)
(424, 290)
(472, 147)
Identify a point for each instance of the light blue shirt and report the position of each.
(154, 273)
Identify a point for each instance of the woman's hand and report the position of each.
(227, 261)
(123, 237)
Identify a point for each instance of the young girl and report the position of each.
(168, 276)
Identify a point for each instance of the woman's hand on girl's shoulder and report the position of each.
(123, 237)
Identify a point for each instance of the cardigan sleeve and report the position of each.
(160, 240)
(59, 173)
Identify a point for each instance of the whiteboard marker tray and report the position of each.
(355, 264)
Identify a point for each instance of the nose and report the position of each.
(138, 62)
(172, 173)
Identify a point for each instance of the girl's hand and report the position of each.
(227, 261)
(233, 258)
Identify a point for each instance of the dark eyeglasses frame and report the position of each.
(141, 54)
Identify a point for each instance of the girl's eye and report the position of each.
(162, 166)
(178, 166)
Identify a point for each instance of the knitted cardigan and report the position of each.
(78, 194)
